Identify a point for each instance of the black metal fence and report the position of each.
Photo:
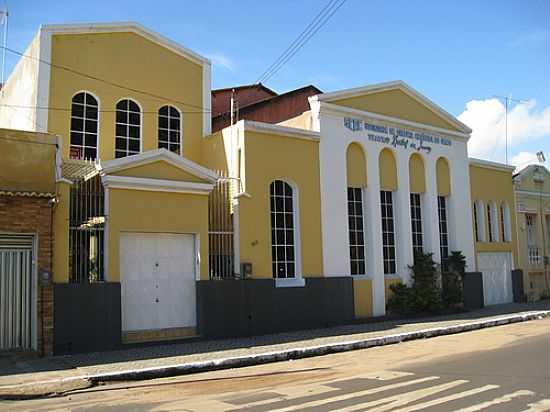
(86, 230)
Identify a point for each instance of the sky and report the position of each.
(460, 54)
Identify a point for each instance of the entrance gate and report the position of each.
(16, 291)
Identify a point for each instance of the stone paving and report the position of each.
(20, 371)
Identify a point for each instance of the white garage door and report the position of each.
(497, 277)
(157, 281)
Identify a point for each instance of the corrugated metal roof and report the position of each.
(78, 169)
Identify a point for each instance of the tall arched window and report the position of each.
(283, 226)
(128, 128)
(170, 129)
(84, 126)
(357, 181)
(505, 230)
(479, 220)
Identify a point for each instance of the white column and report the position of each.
(334, 208)
(461, 235)
(373, 236)
(430, 215)
(402, 212)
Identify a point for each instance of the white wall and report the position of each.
(334, 141)
(21, 90)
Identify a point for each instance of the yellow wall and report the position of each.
(61, 234)
(356, 166)
(443, 177)
(396, 103)
(160, 170)
(388, 170)
(270, 157)
(213, 152)
(417, 179)
(145, 211)
(362, 298)
(488, 184)
(28, 161)
(133, 61)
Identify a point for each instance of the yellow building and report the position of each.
(532, 191)
(315, 217)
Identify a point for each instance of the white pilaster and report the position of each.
(430, 216)
(461, 235)
(402, 212)
(334, 208)
(373, 235)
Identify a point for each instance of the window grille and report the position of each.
(356, 231)
(84, 126)
(443, 231)
(416, 224)
(127, 129)
(282, 230)
(169, 131)
(388, 232)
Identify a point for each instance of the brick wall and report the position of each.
(19, 214)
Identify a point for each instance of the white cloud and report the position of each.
(222, 60)
(486, 118)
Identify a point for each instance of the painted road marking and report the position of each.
(347, 396)
(401, 399)
(497, 401)
(540, 406)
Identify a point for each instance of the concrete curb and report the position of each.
(263, 358)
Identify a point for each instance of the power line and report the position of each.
(296, 40)
(99, 79)
(316, 24)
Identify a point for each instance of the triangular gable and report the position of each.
(397, 100)
(159, 164)
(526, 177)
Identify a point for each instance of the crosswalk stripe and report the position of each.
(347, 396)
(497, 401)
(449, 398)
(401, 399)
(540, 406)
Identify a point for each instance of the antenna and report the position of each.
(4, 23)
(540, 157)
(507, 100)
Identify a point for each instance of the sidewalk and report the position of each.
(30, 377)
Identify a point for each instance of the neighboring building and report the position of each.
(274, 108)
(321, 212)
(493, 208)
(244, 95)
(532, 190)
(29, 177)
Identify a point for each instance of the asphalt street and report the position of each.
(499, 369)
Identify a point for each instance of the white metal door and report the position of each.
(157, 281)
(15, 292)
(497, 277)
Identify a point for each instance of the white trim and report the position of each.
(331, 108)
(155, 185)
(106, 236)
(490, 165)
(43, 80)
(400, 85)
(196, 236)
(236, 238)
(151, 156)
(207, 99)
(260, 127)
(124, 27)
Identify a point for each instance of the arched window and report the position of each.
(84, 126)
(128, 128)
(356, 181)
(283, 230)
(479, 220)
(169, 133)
(505, 230)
